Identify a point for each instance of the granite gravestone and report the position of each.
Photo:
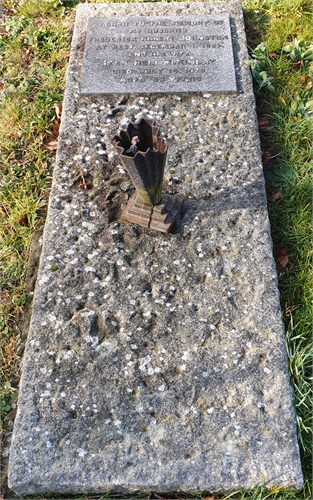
(156, 362)
(158, 54)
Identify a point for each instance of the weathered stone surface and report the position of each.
(156, 362)
(158, 54)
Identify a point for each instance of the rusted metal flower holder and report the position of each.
(143, 152)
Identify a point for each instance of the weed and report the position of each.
(299, 51)
(259, 64)
(8, 396)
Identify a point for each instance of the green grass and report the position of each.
(34, 43)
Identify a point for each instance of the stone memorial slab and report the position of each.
(158, 54)
(156, 361)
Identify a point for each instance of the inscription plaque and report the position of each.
(138, 54)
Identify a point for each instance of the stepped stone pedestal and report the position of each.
(157, 361)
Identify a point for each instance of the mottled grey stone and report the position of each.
(158, 54)
(156, 362)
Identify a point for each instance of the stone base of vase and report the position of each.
(161, 217)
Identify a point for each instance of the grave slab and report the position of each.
(156, 361)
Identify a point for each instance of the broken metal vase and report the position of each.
(143, 152)
(146, 166)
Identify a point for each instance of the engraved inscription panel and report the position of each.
(139, 54)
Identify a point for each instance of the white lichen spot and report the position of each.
(144, 361)
(81, 452)
(43, 370)
(44, 279)
(90, 269)
(93, 254)
(87, 313)
(63, 394)
(161, 388)
(48, 444)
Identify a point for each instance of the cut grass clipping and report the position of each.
(34, 46)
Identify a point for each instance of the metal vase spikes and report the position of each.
(146, 165)
(143, 153)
